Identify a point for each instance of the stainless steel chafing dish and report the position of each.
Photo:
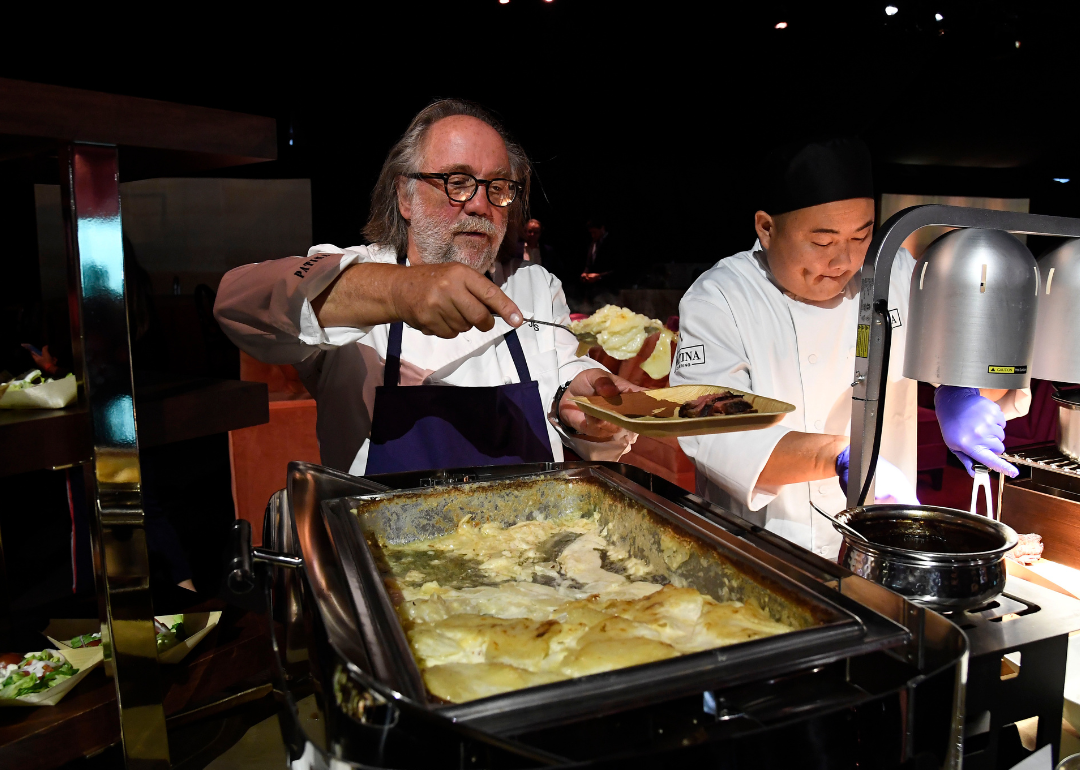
(340, 639)
(640, 519)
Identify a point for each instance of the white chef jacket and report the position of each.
(738, 328)
(265, 308)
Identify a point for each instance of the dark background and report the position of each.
(654, 114)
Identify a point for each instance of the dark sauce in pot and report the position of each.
(929, 535)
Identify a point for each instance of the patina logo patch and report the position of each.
(689, 356)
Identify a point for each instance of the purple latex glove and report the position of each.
(890, 484)
(973, 428)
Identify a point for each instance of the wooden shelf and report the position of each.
(168, 410)
(33, 439)
(155, 138)
(87, 720)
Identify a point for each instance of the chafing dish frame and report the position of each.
(393, 662)
(929, 643)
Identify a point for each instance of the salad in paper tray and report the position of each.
(168, 636)
(33, 390)
(37, 671)
(42, 678)
(176, 635)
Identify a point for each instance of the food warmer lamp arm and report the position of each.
(871, 355)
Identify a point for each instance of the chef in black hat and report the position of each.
(780, 320)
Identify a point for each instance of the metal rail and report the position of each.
(1047, 458)
(870, 349)
(102, 351)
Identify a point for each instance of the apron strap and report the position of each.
(518, 355)
(392, 370)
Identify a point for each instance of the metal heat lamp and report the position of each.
(971, 319)
(1059, 316)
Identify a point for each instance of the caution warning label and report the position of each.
(862, 341)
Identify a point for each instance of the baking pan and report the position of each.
(640, 520)
(622, 411)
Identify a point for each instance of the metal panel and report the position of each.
(1059, 315)
(91, 195)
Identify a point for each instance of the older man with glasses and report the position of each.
(416, 308)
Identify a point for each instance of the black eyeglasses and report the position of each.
(461, 188)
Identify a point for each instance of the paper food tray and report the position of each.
(769, 412)
(197, 624)
(48, 395)
(84, 659)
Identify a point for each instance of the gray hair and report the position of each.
(385, 224)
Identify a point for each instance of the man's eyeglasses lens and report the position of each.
(462, 187)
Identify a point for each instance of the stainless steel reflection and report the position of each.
(971, 316)
(968, 570)
(1057, 347)
(1068, 405)
(91, 196)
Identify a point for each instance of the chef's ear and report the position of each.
(404, 200)
(765, 225)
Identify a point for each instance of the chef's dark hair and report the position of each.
(385, 225)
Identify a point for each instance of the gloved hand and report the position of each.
(890, 484)
(973, 428)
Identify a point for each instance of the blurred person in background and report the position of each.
(599, 276)
(601, 260)
(531, 250)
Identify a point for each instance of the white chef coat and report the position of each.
(265, 308)
(738, 328)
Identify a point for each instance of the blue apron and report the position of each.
(429, 427)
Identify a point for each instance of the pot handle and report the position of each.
(982, 481)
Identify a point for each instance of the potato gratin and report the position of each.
(489, 610)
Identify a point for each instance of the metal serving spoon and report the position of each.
(585, 338)
(846, 528)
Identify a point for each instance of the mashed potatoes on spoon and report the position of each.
(622, 332)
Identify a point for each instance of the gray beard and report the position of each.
(435, 245)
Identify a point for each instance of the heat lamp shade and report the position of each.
(1057, 334)
(972, 311)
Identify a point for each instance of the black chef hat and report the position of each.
(810, 173)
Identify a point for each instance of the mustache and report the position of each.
(475, 225)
